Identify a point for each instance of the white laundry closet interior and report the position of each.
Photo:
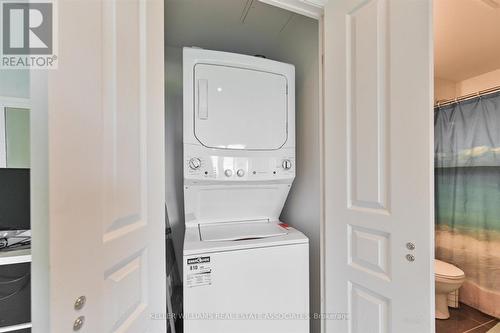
(250, 27)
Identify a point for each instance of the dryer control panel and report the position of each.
(239, 168)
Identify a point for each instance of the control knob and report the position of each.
(228, 172)
(240, 172)
(194, 163)
(287, 164)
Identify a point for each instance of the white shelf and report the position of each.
(14, 257)
(14, 327)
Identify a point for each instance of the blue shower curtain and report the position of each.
(467, 180)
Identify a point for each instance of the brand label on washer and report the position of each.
(199, 272)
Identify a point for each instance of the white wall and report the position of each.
(174, 176)
(298, 45)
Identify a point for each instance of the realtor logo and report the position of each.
(28, 34)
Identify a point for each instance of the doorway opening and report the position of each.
(15, 201)
(467, 164)
(253, 28)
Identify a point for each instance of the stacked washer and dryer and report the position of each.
(244, 270)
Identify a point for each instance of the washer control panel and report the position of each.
(238, 168)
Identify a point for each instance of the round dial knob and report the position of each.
(228, 172)
(195, 163)
(287, 164)
(240, 172)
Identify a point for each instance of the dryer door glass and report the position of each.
(237, 108)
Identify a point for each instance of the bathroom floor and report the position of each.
(466, 319)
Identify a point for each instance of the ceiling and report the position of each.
(467, 38)
(467, 41)
(244, 26)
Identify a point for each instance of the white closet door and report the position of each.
(378, 166)
(98, 171)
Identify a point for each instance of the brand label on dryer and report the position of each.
(199, 272)
(199, 260)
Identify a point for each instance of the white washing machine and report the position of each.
(244, 270)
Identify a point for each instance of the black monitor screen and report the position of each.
(14, 199)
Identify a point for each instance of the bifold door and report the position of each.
(378, 171)
(98, 169)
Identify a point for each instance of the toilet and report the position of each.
(448, 279)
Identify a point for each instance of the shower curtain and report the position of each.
(467, 185)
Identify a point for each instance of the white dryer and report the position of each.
(244, 270)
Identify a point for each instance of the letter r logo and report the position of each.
(27, 28)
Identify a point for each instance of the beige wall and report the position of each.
(480, 82)
(446, 89)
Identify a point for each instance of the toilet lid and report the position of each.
(445, 269)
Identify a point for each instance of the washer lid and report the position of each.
(239, 231)
(239, 108)
(194, 245)
(445, 269)
(248, 201)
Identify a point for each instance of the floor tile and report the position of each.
(475, 314)
(457, 323)
(466, 319)
(484, 327)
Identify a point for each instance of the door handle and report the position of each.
(78, 323)
(410, 257)
(410, 246)
(203, 99)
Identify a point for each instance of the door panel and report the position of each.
(105, 170)
(125, 168)
(369, 311)
(378, 166)
(367, 89)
